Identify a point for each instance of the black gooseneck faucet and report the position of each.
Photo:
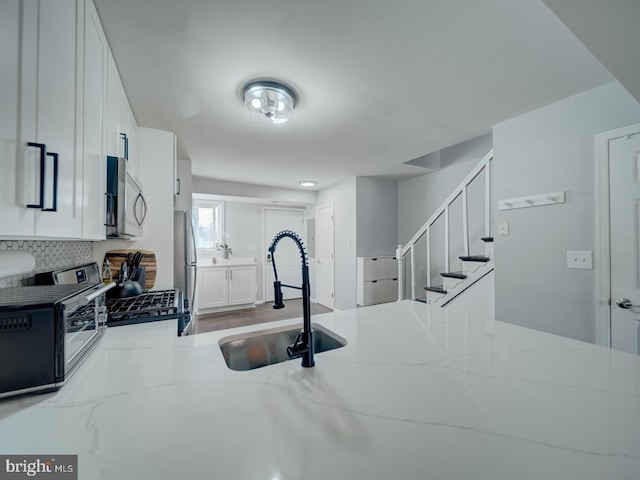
(303, 345)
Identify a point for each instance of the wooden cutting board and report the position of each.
(116, 257)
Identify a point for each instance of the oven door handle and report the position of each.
(100, 291)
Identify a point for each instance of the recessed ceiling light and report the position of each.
(307, 183)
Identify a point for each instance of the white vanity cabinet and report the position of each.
(226, 287)
(377, 280)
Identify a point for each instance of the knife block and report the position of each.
(116, 257)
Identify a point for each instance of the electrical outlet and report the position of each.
(581, 259)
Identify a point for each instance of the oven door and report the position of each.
(84, 319)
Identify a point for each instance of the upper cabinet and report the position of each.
(94, 179)
(42, 168)
(62, 111)
(122, 128)
(183, 185)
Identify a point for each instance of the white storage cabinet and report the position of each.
(377, 279)
(226, 287)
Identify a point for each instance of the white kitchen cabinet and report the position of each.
(377, 280)
(183, 186)
(42, 182)
(94, 179)
(242, 285)
(213, 288)
(226, 287)
(122, 128)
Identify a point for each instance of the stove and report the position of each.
(150, 306)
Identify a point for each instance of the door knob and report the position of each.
(625, 303)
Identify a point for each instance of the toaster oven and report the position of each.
(46, 332)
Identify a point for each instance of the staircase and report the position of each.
(471, 268)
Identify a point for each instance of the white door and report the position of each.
(324, 256)
(624, 194)
(287, 255)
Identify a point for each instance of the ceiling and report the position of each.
(378, 83)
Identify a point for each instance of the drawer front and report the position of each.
(378, 268)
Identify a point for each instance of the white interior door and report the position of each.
(287, 255)
(324, 256)
(624, 193)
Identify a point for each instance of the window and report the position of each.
(208, 219)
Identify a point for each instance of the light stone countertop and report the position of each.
(417, 393)
(226, 262)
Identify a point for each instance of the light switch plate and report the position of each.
(503, 228)
(582, 259)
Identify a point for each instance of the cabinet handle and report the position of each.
(55, 183)
(43, 148)
(125, 138)
(230, 274)
(226, 274)
(178, 182)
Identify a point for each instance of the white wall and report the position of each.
(419, 197)
(155, 172)
(376, 217)
(343, 197)
(547, 150)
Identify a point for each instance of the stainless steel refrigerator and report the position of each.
(185, 259)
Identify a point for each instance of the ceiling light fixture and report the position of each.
(269, 101)
(307, 183)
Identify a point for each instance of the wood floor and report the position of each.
(260, 314)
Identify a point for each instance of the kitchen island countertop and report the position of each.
(418, 392)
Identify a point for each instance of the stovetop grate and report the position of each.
(158, 303)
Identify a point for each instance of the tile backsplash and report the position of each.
(49, 254)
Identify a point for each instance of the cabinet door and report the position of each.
(184, 186)
(15, 218)
(94, 112)
(114, 142)
(56, 119)
(212, 287)
(242, 285)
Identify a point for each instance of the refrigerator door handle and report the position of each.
(194, 264)
(193, 289)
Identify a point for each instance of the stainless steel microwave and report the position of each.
(126, 205)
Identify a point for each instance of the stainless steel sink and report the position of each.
(260, 348)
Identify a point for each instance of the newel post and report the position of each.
(400, 273)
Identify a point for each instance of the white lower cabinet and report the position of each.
(377, 280)
(226, 287)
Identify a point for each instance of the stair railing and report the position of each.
(461, 190)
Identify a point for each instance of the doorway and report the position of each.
(288, 259)
(324, 255)
(618, 234)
